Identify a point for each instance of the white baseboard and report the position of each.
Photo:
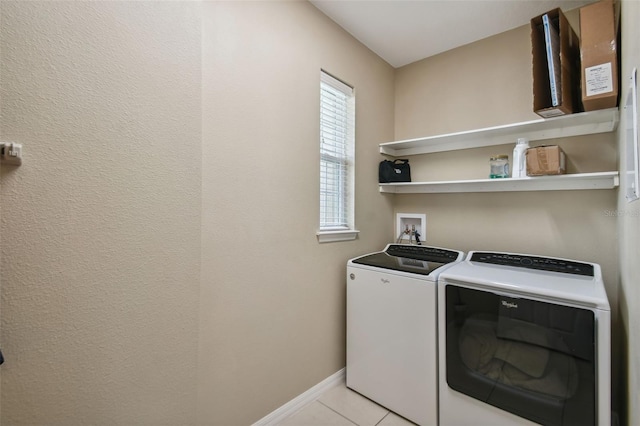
(301, 400)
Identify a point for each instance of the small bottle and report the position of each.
(499, 166)
(520, 159)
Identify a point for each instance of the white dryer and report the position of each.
(523, 340)
(392, 328)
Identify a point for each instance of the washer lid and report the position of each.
(405, 264)
(421, 260)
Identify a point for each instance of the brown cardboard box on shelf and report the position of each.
(568, 74)
(545, 160)
(599, 55)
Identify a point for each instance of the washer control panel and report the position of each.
(431, 254)
(534, 262)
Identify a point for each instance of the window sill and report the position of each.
(338, 235)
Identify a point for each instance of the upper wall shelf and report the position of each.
(584, 123)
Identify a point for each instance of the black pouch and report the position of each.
(394, 171)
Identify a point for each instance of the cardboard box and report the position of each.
(545, 160)
(568, 73)
(599, 55)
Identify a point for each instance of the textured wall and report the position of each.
(489, 83)
(273, 299)
(101, 223)
(130, 246)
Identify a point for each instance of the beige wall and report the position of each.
(101, 224)
(159, 137)
(126, 294)
(273, 299)
(489, 83)
(629, 227)
(484, 84)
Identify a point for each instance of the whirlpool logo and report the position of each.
(509, 305)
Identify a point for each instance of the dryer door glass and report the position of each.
(531, 358)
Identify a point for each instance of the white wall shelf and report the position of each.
(585, 123)
(601, 180)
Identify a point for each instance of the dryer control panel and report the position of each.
(534, 262)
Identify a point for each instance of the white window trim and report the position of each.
(339, 233)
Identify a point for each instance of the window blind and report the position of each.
(337, 123)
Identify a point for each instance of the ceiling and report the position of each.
(405, 31)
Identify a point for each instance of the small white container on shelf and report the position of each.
(520, 159)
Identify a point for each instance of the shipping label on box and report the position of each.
(545, 160)
(598, 79)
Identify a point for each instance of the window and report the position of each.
(337, 141)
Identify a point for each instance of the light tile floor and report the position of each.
(340, 406)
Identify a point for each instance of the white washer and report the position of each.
(523, 340)
(392, 328)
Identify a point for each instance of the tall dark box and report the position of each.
(569, 67)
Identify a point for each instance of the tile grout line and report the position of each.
(341, 415)
(384, 417)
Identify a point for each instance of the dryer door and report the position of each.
(531, 358)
